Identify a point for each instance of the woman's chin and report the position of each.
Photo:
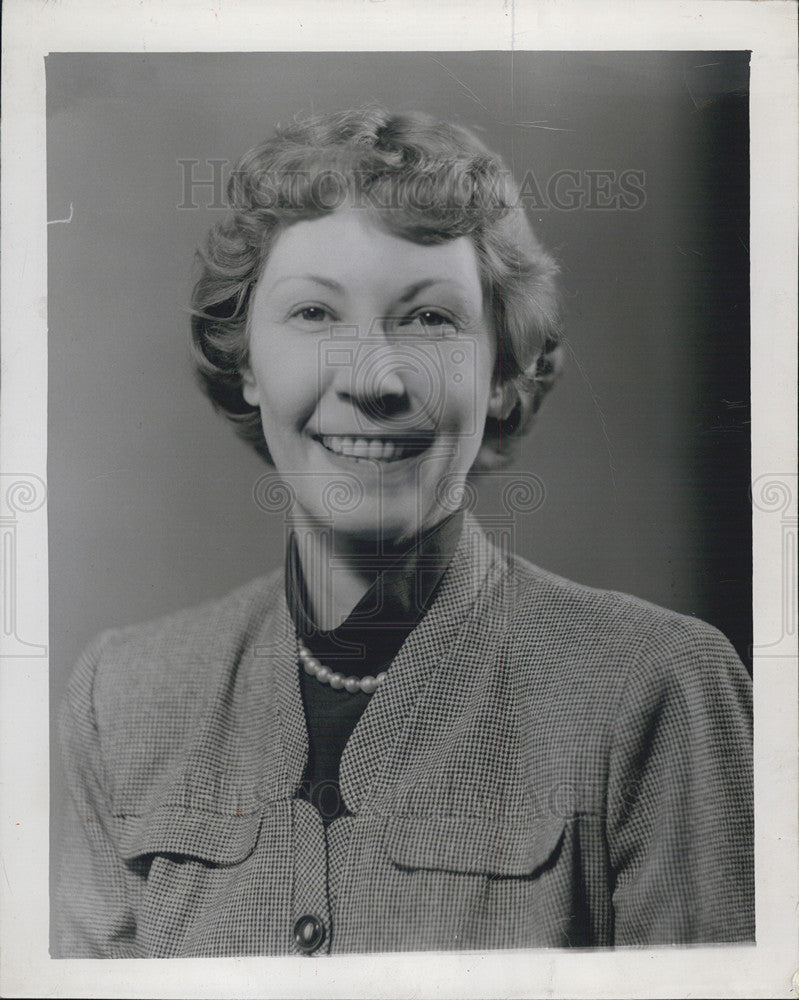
(395, 522)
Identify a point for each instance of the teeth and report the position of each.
(374, 449)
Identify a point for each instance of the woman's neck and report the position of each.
(337, 571)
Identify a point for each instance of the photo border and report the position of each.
(30, 31)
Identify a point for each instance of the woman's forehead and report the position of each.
(348, 248)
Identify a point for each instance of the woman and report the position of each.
(406, 738)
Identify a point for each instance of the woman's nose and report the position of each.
(374, 379)
(375, 383)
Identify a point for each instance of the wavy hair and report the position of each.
(425, 180)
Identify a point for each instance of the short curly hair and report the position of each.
(425, 180)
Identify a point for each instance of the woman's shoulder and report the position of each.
(581, 655)
(549, 591)
(215, 620)
(174, 650)
(142, 696)
(609, 628)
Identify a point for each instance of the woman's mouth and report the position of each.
(375, 449)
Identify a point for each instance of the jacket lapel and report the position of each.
(373, 756)
(277, 651)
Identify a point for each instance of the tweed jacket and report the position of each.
(546, 765)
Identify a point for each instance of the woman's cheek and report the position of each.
(288, 373)
(468, 390)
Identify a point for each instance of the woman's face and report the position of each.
(371, 360)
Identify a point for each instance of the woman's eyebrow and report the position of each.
(419, 286)
(410, 292)
(327, 282)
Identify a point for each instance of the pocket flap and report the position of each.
(473, 847)
(219, 839)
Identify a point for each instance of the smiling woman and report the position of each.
(408, 738)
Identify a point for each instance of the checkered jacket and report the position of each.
(546, 765)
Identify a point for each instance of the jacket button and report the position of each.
(309, 933)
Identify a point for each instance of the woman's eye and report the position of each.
(312, 314)
(432, 319)
(429, 317)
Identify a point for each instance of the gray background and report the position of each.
(643, 448)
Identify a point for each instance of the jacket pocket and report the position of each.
(474, 847)
(214, 838)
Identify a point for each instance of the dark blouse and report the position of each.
(365, 643)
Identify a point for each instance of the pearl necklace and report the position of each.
(338, 681)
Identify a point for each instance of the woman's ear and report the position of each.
(249, 387)
(502, 400)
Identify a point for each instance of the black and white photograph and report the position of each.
(404, 516)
